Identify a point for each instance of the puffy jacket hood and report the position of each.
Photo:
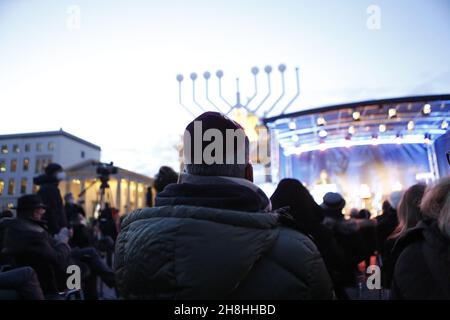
(215, 192)
(190, 252)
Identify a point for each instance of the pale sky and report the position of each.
(112, 80)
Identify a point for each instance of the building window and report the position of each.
(5, 149)
(2, 166)
(44, 163)
(2, 186)
(41, 163)
(26, 164)
(16, 148)
(23, 185)
(83, 154)
(13, 165)
(37, 167)
(27, 147)
(11, 187)
(38, 146)
(51, 146)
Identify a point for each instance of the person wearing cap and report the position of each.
(27, 242)
(356, 238)
(333, 204)
(51, 197)
(213, 235)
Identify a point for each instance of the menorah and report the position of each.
(261, 109)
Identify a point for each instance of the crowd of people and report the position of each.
(209, 232)
(45, 237)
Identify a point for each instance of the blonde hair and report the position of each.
(436, 204)
(408, 210)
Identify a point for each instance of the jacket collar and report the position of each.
(215, 192)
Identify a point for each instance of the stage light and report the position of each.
(392, 113)
(397, 186)
(356, 115)
(375, 140)
(399, 139)
(323, 146)
(321, 121)
(410, 125)
(295, 138)
(444, 125)
(292, 125)
(382, 128)
(426, 109)
(351, 130)
(364, 191)
(323, 133)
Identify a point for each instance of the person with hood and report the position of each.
(212, 236)
(51, 197)
(307, 218)
(422, 270)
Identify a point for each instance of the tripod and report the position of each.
(104, 195)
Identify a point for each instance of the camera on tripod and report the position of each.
(104, 170)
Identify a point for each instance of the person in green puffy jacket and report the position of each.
(212, 235)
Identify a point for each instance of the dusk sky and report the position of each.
(110, 79)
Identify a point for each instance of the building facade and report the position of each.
(24, 156)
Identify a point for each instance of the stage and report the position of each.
(364, 150)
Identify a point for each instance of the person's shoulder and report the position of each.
(410, 237)
(410, 264)
(297, 254)
(5, 222)
(296, 240)
(411, 275)
(295, 251)
(410, 254)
